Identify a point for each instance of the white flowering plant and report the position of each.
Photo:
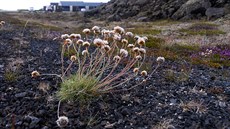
(99, 58)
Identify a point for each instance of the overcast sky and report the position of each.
(37, 4)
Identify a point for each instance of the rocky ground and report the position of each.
(148, 10)
(196, 97)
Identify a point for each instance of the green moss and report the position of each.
(77, 88)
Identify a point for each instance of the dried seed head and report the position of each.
(160, 59)
(124, 41)
(138, 57)
(86, 44)
(129, 34)
(79, 42)
(117, 37)
(96, 29)
(119, 30)
(130, 46)
(78, 36)
(117, 58)
(136, 49)
(85, 52)
(142, 51)
(136, 70)
(145, 38)
(136, 37)
(64, 36)
(72, 36)
(105, 42)
(106, 48)
(98, 42)
(35, 74)
(73, 58)
(123, 52)
(62, 121)
(144, 73)
(68, 42)
(2, 22)
(86, 31)
(141, 41)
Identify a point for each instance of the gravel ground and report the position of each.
(197, 98)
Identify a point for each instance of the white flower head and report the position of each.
(144, 73)
(145, 38)
(72, 36)
(96, 29)
(68, 41)
(136, 70)
(64, 36)
(86, 31)
(141, 41)
(142, 51)
(80, 41)
(62, 121)
(98, 42)
(117, 58)
(2, 22)
(138, 57)
(129, 34)
(124, 41)
(106, 48)
(136, 37)
(105, 42)
(130, 46)
(160, 59)
(136, 49)
(86, 44)
(117, 37)
(35, 74)
(124, 52)
(85, 52)
(78, 36)
(73, 58)
(119, 30)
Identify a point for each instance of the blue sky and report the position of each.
(37, 4)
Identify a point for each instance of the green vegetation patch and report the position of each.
(77, 87)
(207, 29)
(144, 31)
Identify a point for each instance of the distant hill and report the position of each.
(146, 10)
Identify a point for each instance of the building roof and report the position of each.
(79, 3)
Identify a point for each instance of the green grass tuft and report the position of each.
(77, 87)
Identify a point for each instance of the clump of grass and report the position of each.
(78, 87)
(10, 76)
(195, 106)
(207, 29)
